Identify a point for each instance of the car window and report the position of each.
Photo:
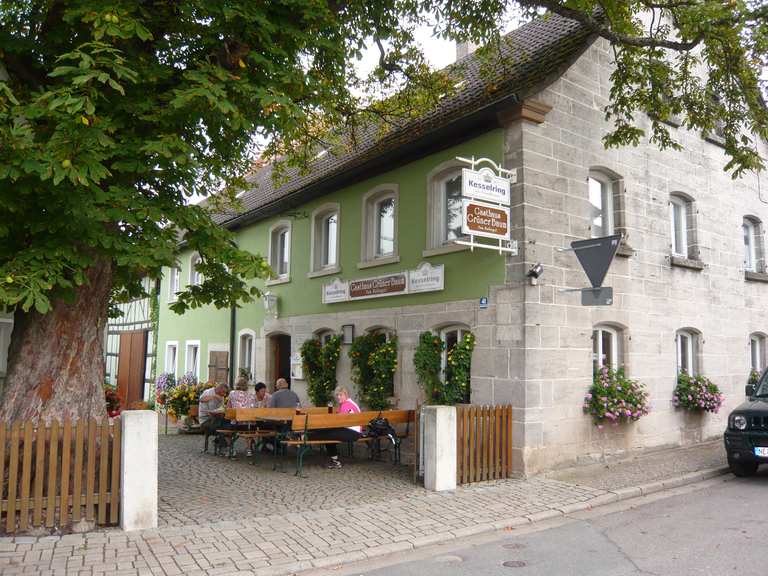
(762, 385)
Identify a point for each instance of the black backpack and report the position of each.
(380, 427)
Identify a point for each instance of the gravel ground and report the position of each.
(645, 467)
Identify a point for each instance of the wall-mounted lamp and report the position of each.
(270, 304)
(534, 272)
(347, 333)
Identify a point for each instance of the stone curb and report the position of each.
(609, 497)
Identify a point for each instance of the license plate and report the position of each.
(761, 451)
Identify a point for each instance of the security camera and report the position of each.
(535, 271)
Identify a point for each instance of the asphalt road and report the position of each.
(714, 528)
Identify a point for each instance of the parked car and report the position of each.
(746, 438)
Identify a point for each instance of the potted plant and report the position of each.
(613, 398)
(112, 400)
(697, 394)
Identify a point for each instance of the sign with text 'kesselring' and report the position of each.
(487, 220)
(483, 184)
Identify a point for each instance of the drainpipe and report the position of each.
(232, 363)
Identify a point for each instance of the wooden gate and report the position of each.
(484, 443)
(131, 366)
(58, 474)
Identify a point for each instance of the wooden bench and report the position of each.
(302, 426)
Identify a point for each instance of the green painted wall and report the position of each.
(467, 275)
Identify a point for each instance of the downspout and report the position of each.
(232, 327)
(232, 342)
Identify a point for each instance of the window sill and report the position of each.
(324, 272)
(750, 276)
(682, 262)
(276, 281)
(378, 262)
(447, 249)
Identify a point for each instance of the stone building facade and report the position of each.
(689, 290)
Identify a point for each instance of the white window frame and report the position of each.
(615, 336)
(749, 232)
(684, 206)
(174, 283)
(462, 331)
(274, 231)
(606, 204)
(369, 243)
(436, 225)
(319, 241)
(175, 345)
(691, 356)
(757, 348)
(240, 335)
(195, 277)
(188, 346)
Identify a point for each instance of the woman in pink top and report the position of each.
(349, 434)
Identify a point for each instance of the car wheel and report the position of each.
(743, 469)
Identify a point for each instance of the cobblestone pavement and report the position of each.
(646, 467)
(200, 488)
(277, 524)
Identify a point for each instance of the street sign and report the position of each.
(595, 256)
(597, 296)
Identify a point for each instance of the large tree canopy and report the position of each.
(113, 113)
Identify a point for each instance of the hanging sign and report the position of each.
(487, 220)
(483, 184)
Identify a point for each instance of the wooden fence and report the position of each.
(59, 474)
(484, 443)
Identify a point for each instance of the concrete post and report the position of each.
(439, 448)
(138, 470)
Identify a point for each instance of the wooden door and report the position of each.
(131, 366)
(282, 357)
(218, 367)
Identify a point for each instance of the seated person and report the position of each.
(349, 434)
(262, 396)
(210, 409)
(240, 397)
(283, 397)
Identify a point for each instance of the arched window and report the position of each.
(682, 227)
(688, 344)
(606, 348)
(752, 233)
(280, 251)
(385, 333)
(757, 351)
(452, 335)
(325, 239)
(324, 335)
(444, 207)
(379, 241)
(195, 277)
(601, 205)
(246, 353)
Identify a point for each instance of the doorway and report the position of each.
(281, 357)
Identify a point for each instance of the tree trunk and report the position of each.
(56, 360)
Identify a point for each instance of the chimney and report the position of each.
(464, 49)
